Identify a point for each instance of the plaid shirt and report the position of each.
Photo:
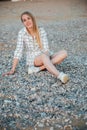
(32, 48)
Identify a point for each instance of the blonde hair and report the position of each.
(35, 27)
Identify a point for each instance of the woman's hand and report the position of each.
(9, 73)
(13, 68)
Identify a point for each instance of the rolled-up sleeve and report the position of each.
(44, 40)
(19, 47)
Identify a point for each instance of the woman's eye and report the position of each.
(24, 20)
(28, 18)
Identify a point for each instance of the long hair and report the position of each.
(35, 27)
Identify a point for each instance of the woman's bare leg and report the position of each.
(44, 62)
(57, 58)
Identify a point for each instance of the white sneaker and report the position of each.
(33, 69)
(63, 77)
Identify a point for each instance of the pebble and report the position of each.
(68, 127)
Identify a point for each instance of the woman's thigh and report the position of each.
(58, 57)
(55, 58)
(60, 53)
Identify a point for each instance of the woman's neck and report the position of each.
(31, 32)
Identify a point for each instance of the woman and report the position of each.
(38, 56)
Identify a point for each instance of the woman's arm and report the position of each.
(15, 62)
(17, 54)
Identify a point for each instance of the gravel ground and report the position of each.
(40, 101)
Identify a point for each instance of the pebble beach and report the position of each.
(40, 101)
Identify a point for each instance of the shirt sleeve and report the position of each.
(44, 40)
(19, 47)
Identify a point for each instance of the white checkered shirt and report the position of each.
(32, 48)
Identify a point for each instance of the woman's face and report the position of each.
(27, 21)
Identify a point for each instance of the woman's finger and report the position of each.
(8, 73)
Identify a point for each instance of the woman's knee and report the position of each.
(38, 61)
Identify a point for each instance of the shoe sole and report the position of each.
(65, 79)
